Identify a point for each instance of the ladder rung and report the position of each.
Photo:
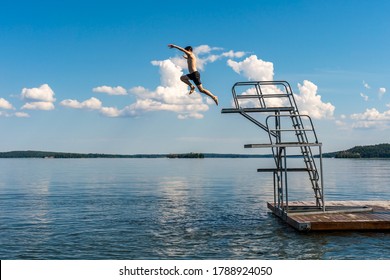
(269, 95)
(298, 130)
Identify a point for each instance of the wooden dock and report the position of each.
(339, 215)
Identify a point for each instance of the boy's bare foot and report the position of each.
(215, 100)
(192, 90)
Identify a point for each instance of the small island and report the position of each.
(188, 155)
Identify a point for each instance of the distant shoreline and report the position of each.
(59, 155)
(371, 151)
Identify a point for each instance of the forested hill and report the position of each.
(371, 151)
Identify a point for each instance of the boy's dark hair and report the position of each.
(188, 48)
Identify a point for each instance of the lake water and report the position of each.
(174, 209)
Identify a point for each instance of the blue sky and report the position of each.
(97, 76)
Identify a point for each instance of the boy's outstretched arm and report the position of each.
(172, 46)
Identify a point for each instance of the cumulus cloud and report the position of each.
(41, 98)
(111, 90)
(90, 104)
(371, 114)
(233, 54)
(310, 103)
(171, 96)
(4, 104)
(253, 68)
(111, 112)
(43, 93)
(39, 105)
(22, 115)
(371, 118)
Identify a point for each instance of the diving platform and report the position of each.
(271, 106)
(339, 216)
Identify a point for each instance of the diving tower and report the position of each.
(271, 106)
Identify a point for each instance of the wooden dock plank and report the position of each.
(341, 215)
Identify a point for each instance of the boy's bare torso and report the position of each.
(191, 62)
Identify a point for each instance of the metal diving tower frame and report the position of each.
(271, 106)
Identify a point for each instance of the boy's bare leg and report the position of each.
(208, 93)
(186, 80)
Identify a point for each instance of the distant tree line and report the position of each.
(370, 151)
(188, 155)
(42, 154)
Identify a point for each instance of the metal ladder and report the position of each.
(286, 128)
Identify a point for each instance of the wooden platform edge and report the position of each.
(356, 216)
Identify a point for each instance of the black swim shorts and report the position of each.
(195, 76)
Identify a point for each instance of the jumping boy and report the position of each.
(194, 74)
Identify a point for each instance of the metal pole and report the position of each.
(285, 176)
(322, 180)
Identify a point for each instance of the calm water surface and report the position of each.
(173, 209)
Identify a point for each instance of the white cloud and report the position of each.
(365, 97)
(340, 123)
(22, 115)
(43, 93)
(372, 114)
(206, 54)
(111, 90)
(381, 92)
(90, 104)
(38, 105)
(202, 49)
(253, 68)
(41, 98)
(367, 86)
(111, 112)
(233, 54)
(310, 103)
(4, 104)
(371, 118)
(171, 95)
